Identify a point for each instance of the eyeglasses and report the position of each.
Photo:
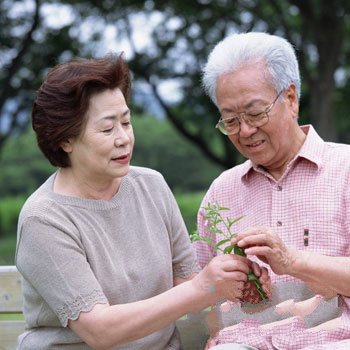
(231, 125)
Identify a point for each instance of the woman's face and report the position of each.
(103, 151)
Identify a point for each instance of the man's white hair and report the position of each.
(237, 50)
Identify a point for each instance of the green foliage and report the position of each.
(189, 204)
(214, 218)
(23, 166)
(181, 35)
(9, 210)
(14, 317)
(159, 146)
(7, 250)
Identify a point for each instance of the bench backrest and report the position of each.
(193, 333)
(10, 303)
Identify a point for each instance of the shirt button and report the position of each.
(279, 188)
(279, 223)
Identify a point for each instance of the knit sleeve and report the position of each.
(51, 258)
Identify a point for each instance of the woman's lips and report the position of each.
(124, 159)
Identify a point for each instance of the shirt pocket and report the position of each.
(325, 237)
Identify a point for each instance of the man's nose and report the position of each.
(246, 130)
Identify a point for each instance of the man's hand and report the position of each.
(264, 243)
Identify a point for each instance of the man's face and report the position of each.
(248, 90)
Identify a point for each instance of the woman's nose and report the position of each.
(121, 137)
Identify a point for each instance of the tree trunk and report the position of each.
(322, 110)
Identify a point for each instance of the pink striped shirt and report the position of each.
(312, 196)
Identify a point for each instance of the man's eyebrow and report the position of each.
(246, 106)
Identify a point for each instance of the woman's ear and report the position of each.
(67, 146)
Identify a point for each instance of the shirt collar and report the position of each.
(311, 150)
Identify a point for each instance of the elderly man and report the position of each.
(294, 194)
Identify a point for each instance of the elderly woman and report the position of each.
(103, 250)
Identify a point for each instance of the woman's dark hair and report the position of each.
(63, 99)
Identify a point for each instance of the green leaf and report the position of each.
(238, 250)
(195, 238)
(223, 208)
(208, 241)
(229, 249)
(222, 242)
(231, 222)
(212, 214)
(255, 279)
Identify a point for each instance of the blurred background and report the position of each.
(166, 44)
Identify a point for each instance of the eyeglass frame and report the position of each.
(241, 116)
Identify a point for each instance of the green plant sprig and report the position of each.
(214, 217)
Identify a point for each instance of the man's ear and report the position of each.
(292, 98)
(67, 146)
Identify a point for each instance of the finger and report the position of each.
(250, 232)
(256, 240)
(256, 269)
(234, 257)
(235, 265)
(236, 276)
(264, 274)
(260, 251)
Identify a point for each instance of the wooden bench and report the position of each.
(10, 303)
(192, 330)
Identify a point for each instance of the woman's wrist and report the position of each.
(204, 292)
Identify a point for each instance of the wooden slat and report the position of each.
(9, 331)
(10, 290)
(10, 302)
(192, 329)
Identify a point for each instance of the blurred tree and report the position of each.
(28, 47)
(25, 170)
(189, 30)
(182, 33)
(157, 146)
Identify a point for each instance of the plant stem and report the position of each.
(212, 213)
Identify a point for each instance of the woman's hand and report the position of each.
(250, 292)
(264, 243)
(223, 277)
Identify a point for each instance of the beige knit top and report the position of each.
(74, 253)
